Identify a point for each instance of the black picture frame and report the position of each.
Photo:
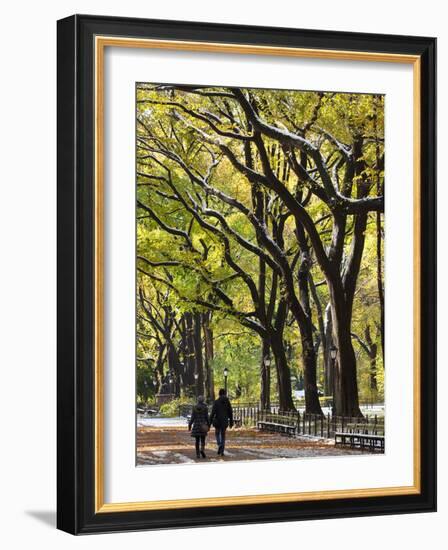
(76, 264)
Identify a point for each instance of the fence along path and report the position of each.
(306, 424)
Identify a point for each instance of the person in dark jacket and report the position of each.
(199, 425)
(221, 418)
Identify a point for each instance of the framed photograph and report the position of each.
(246, 274)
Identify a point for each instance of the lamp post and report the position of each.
(267, 380)
(171, 381)
(196, 376)
(226, 374)
(333, 355)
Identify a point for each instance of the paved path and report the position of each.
(172, 444)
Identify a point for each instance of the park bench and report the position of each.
(237, 421)
(146, 411)
(185, 410)
(365, 428)
(278, 423)
(361, 441)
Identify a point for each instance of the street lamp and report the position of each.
(333, 352)
(226, 374)
(171, 381)
(333, 355)
(266, 383)
(196, 376)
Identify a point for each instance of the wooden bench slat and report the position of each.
(276, 426)
(360, 440)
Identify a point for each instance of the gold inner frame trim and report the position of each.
(101, 42)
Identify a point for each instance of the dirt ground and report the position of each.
(174, 445)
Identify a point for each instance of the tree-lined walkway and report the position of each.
(173, 445)
(260, 245)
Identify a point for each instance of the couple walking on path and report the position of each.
(220, 418)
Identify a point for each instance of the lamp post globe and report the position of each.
(333, 352)
(226, 374)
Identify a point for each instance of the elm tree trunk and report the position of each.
(346, 400)
(197, 339)
(283, 373)
(309, 358)
(208, 357)
(309, 355)
(189, 366)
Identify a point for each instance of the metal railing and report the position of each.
(306, 424)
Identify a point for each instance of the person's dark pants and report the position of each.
(220, 438)
(200, 438)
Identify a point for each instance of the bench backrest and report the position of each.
(289, 419)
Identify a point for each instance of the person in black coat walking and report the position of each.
(199, 425)
(221, 418)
